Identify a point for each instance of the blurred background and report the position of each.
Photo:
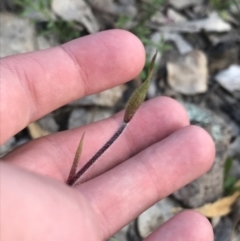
(198, 64)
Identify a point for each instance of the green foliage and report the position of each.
(140, 28)
(220, 5)
(160, 47)
(63, 30)
(122, 21)
(229, 181)
(146, 11)
(113, 239)
(224, 6)
(39, 6)
(67, 30)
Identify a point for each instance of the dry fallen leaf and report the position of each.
(221, 207)
(37, 131)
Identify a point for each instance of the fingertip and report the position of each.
(131, 45)
(186, 226)
(197, 139)
(177, 113)
(201, 228)
(203, 147)
(188, 153)
(108, 58)
(160, 117)
(131, 50)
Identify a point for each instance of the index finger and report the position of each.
(34, 84)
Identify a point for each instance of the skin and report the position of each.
(158, 153)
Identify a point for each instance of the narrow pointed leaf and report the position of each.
(139, 95)
(76, 160)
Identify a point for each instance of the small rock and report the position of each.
(223, 230)
(234, 8)
(209, 187)
(180, 4)
(107, 98)
(152, 90)
(6, 5)
(159, 18)
(232, 36)
(22, 141)
(236, 220)
(46, 43)
(234, 153)
(108, 5)
(121, 235)
(215, 221)
(155, 216)
(76, 10)
(78, 117)
(236, 235)
(229, 78)
(213, 23)
(82, 116)
(200, 10)
(127, 8)
(48, 123)
(188, 74)
(17, 35)
(182, 45)
(121, 7)
(175, 16)
(234, 150)
(222, 55)
(7, 147)
(132, 233)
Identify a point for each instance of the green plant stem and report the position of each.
(76, 177)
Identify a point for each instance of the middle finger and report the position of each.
(53, 155)
(130, 188)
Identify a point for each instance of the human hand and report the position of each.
(157, 154)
